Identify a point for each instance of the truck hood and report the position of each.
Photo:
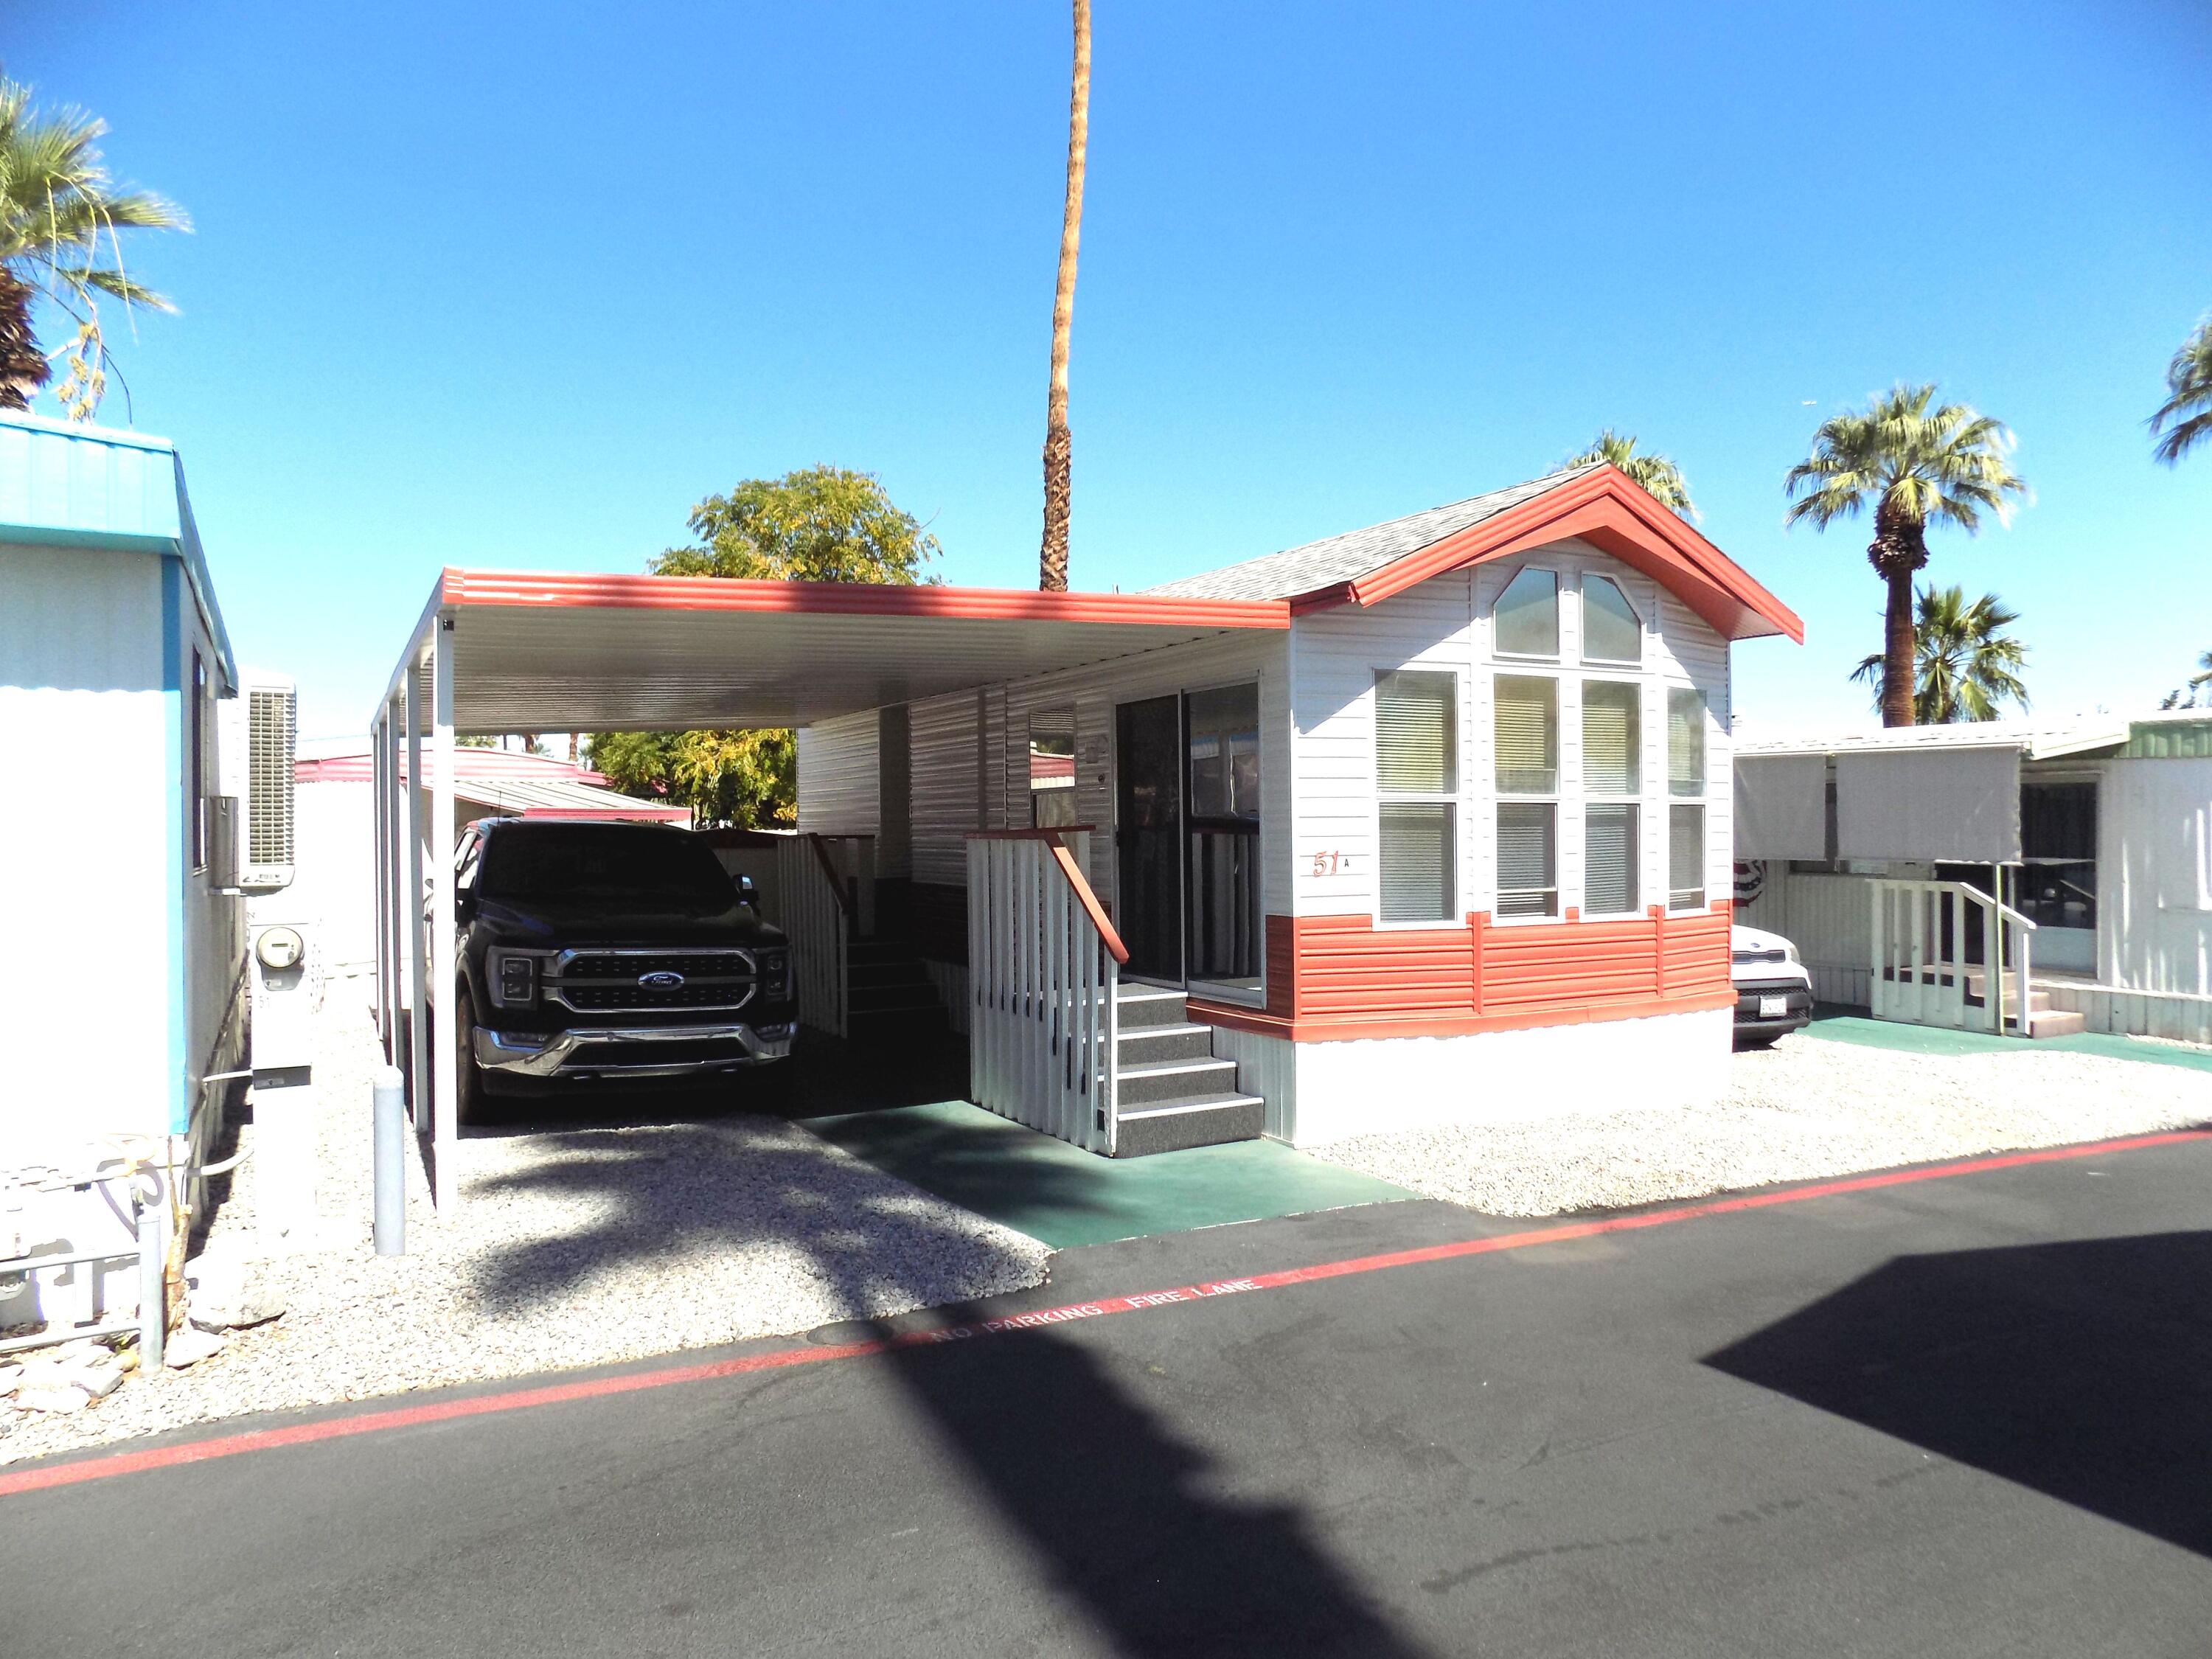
(577, 921)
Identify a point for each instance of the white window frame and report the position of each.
(1636, 664)
(1586, 798)
(1454, 910)
(1555, 798)
(1562, 585)
(1702, 799)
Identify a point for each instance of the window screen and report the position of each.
(1528, 735)
(1416, 725)
(1612, 631)
(1613, 728)
(1609, 858)
(1686, 741)
(1527, 861)
(1417, 860)
(1686, 857)
(1527, 616)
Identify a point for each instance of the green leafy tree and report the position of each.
(1915, 466)
(1965, 665)
(825, 524)
(61, 220)
(1659, 477)
(2184, 419)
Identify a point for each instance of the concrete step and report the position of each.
(1201, 1121)
(1142, 1006)
(1148, 1045)
(2056, 1021)
(1175, 1079)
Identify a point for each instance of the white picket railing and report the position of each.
(1044, 968)
(817, 905)
(1921, 972)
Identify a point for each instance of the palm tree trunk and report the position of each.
(1899, 551)
(1059, 445)
(23, 367)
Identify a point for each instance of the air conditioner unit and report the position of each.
(258, 741)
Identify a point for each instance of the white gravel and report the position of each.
(575, 1248)
(1804, 1109)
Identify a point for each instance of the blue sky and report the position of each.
(514, 286)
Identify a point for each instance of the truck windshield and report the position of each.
(602, 860)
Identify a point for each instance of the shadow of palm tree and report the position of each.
(1121, 1511)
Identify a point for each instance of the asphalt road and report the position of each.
(1963, 1417)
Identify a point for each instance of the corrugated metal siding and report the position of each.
(837, 775)
(1445, 624)
(55, 477)
(2184, 739)
(944, 789)
(2154, 876)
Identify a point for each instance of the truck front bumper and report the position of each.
(631, 1051)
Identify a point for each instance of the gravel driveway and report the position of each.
(1803, 1110)
(575, 1247)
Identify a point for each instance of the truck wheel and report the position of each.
(468, 1081)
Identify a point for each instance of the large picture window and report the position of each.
(1613, 784)
(1686, 741)
(1416, 778)
(1686, 857)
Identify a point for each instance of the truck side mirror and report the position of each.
(465, 904)
(747, 893)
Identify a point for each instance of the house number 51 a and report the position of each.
(1331, 864)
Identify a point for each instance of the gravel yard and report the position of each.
(575, 1247)
(1802, 1110)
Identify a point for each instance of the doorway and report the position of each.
(1148, 835)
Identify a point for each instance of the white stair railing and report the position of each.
(816, 919)
(1921, 972)
(1044, 966)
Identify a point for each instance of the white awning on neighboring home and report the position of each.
(1957, 806)
(1782, 806)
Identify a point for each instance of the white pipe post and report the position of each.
(445, 1051)
(418, 1032)
(395, 829)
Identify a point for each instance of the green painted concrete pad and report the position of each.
(1065, 1196)
(1934, 1040)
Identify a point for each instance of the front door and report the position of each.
(1148, 835)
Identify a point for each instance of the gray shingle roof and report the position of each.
(1354, 554)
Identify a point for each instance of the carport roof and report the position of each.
(535, 651)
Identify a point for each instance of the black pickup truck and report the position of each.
(609, 952)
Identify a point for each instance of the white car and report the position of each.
(1773, 991)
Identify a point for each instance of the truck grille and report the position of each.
(602, 982)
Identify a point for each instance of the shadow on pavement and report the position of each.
(2082, 1369)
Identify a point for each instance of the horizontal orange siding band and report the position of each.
(1346, 1029)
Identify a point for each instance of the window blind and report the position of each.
(1608, 860)
(1612, 631)
(1686, 741)
(1417, 861)
(1528, 735)
(1686, 857)
(1527, 882)
(1526, 618)
(1613, 728)
(1416, 723)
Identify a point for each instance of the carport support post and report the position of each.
(395, 827)
(418, 1045)
(445, 1052)
(381, 851)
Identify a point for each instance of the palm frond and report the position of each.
(2184, 419)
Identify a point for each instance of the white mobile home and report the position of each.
(2083, 848)
(1424, 821)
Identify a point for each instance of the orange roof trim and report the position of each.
(1605, 509)
(529, 588)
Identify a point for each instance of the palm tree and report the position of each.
(2189, 409)
(1059, 446)
(2200, 684)
(60, 214)
(1965, 665)
(1660, 477)
(1917, 466)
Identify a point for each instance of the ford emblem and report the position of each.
(663, 980)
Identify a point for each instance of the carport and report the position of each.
(502, 652)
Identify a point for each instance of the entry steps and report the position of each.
(1175, 1094)
(2043, 1020)
(887, 991)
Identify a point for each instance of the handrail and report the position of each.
(829, 872)
(1089, 901)
(1046, 833)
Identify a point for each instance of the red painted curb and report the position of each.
(375, 1422)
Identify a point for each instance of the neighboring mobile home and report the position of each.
(1426, 822)
(2086, 844)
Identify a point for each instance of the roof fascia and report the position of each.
(1604, 509)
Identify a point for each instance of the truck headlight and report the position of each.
(514, 978)
(776, 970)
